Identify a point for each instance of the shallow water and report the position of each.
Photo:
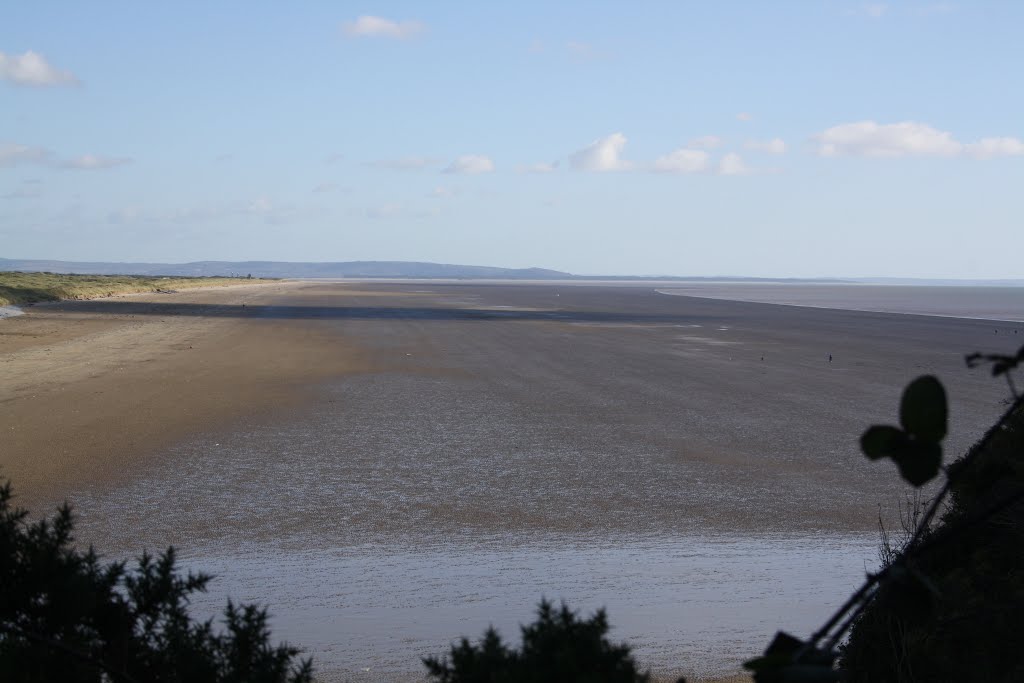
(988, 303)
(691, 464)
(688, 605)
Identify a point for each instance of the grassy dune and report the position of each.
(27, 288)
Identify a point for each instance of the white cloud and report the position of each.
(875, 10)
(368, 26)
(773, 146)
(538, 167)
(31, 68)
(92, 161)
(580, 51)
(732, 164)
(601, 155)
(442, 192)
(470, 164)
(936, 8)
(706, 142)
(260, 205)
(908, 138)
(683, 161)
(384, 211)
(30, 192)
(871, 10)
(127, 214)
(403, 164)
(989, 148)
(12, 154)
(744, 116)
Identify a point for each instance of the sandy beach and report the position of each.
(88, 394)
(318, 444)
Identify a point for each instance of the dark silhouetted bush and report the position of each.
(557, 647)
(66, 616)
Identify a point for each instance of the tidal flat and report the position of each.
(390, 466)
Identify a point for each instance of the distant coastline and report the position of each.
(401, 270)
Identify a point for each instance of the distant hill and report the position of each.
(347, 269)
(415, 269)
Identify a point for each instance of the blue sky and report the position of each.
(813, 138)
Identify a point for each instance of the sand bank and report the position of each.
(85, 394)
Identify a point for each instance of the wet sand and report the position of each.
(396, 425)
(90, 389)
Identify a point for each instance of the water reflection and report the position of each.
(687, 605)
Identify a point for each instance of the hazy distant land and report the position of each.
(413, 270)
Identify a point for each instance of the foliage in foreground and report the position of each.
(67, 616)
(28, 288)
(966, 624)
(558, 647)
(946, 604)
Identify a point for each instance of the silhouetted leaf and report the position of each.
(923, 410)
(919, 461)
(882, 441)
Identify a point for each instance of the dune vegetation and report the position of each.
(28, 288)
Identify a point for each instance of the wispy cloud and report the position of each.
(603, 154)
(368, 26)
(29, 189)
(683, 160)
(13, 154)
(908, 139)
(744, 116)
(325, 187)
(389, 210)
(334, 158)
(31, 69)
(470, 164)
(540, 167)
(403, 163)
(88, 162)
(935, 8)
(706, 142)
(260, 205)
(580, 51)
(871, 10)
(773, 146)
(127, 214)
(733, 164)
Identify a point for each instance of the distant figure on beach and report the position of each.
(830, 358)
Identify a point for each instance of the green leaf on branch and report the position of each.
(882, 441)
(919, 461)
(915, 448)
(923, 410)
